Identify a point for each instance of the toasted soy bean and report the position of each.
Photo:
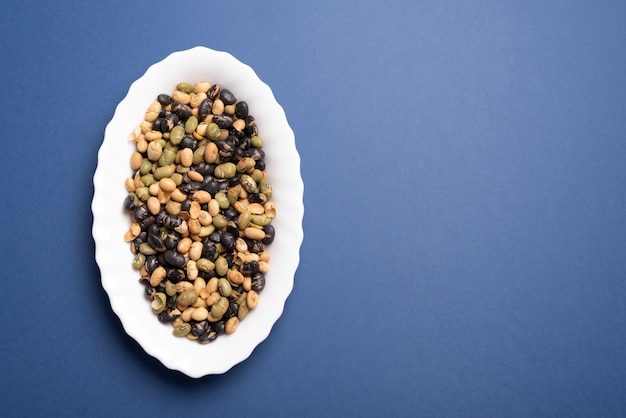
(201, 204)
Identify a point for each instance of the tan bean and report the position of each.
(197, 99)
(235, 276)
(192, 270)
(154, 206)
(195, 250)
(181, 96)
(200, 314)
(239, 124)
(186, 313)
(201, 87)
(194, 210)
(157, 276)
(232, 324)
(135, 160)
(264, 256)
(204, 218)
(141, 144)
(263, 267)
(195, 176)
(254, 233)
(183, 286)
(214, 207)
(270, 209)
(252, 300)
(153, 135)
(199, 284)
(130, 185)
(167, 184)
(178, 196)
(247, 284)
(201, 130)
(154, 151)
(218, 107)
(194, 226)
(210, 153)
(202, 196)
(212, 284)
(186, 157)
(184, 245)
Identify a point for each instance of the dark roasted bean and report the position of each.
(250, 268)
(182, 111)
(241, 110)
(227, 97)
(232, 310)
(258, 282)
(228, 240)
(141, 213)
(207, 337)
(188, 142)
(175, 259)
(199, 328)
(214, 91)
(269, 234)
(223, 121)
(222, 134)
(205, 108)
(220, 327)
(164, 99)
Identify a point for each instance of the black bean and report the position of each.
(233, 308)
(241, 110)
(207, 337)
(250, 268)
(129, 203)
(220, 327)
(270, 232)
(164, 99)
(199, 327)
(223, 121)
(211, 186)
(151, 263)
(175, 259)
(147, 291)
(209, 250)
(205, 108)
(188, 141)
(258, 282)
(227, 97)
(141, 213)
(214, 91)
(181, 110)
(228, 240)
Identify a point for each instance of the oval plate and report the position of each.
(110, 221)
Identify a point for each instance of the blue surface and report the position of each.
(465, 195)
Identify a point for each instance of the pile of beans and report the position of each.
(201, 210)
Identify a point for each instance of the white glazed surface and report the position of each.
(110, 222)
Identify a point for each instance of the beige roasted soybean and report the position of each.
(201, 213)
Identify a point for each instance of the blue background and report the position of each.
(465, 207)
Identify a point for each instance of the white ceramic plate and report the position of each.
(110, 222)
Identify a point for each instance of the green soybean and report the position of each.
(224, 287)
(221, 266)
(182, 329)
(139, 260)
(191, 124)
(187, 298)
(184, 87)
(177, 134)
(220, 307)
